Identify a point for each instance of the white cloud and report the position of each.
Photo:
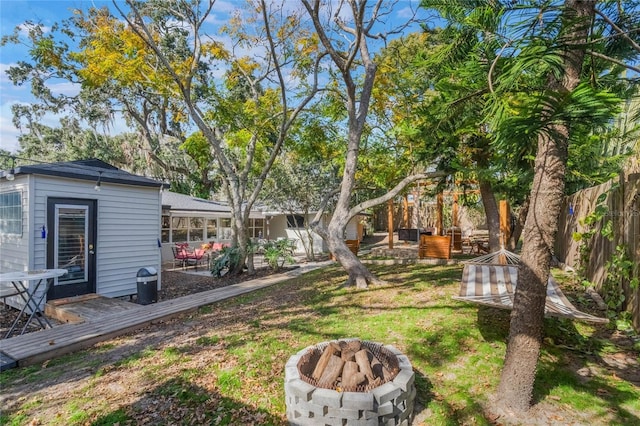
(4, 79)
(8, 133)
(25, 27)
(65, 88)
(226, 7)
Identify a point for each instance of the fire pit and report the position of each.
(349, 382)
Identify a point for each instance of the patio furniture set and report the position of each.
(185, 255)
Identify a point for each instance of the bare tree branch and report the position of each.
(615, 61)
(395, 191)
(620, 31)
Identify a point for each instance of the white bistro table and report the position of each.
(17, 284)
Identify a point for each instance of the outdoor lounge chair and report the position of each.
(195, 257)
(180, 256)
(486, 282)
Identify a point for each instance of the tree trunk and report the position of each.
(525, 334)
(519, 226)
(492, 214)
(239, 219)
(358, 273)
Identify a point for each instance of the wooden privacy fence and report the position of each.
(621, 197)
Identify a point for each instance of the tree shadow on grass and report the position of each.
(572, 360)
(428, 402)
(178, 401)
(564, 363)
(493, 323)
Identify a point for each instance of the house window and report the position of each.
(212, 228)
(256, 228)
(180, 229)
(295, 221)
(196, 229)
(11, 213)
(225, 229)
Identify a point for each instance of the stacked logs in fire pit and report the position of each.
(350, 366)
(349, 382)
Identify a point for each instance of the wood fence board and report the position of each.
(623, 211)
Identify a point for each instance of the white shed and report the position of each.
(100, 223)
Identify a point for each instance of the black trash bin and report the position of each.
(147, 279)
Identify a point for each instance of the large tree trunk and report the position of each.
(525, 334)
(358, 273)
(239, 220)
(492, 214)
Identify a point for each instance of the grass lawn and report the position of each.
(224, 364)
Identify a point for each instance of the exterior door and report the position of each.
(71, 245)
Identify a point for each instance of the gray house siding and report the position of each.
(15, 249)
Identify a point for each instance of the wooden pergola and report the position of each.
(505, 225)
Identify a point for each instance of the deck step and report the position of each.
(88, 306)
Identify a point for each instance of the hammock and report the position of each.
(500, 257)
(494, 285)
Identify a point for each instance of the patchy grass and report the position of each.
(224, 364)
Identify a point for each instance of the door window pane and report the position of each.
(256, 228)
(71, 247)
(166, 228)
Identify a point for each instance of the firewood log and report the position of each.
(331, 349)
(349, 349)
(349, 370)
(332, 371)
(354, 381)
(376, 368)
(362, 358)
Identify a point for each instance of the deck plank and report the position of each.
(50, 343)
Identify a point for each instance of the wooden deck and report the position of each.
(89, 306)
(50, 343)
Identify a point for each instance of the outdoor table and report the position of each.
(17, 284)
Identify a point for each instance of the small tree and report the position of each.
(353, 63)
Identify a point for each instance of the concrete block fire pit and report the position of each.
(385, 397)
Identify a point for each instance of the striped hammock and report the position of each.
(487, 283)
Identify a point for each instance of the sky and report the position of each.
(14, 13)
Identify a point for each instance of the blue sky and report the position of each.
(16, 12)
(12, 14)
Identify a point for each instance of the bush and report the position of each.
(276, 253)
(226, 260)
